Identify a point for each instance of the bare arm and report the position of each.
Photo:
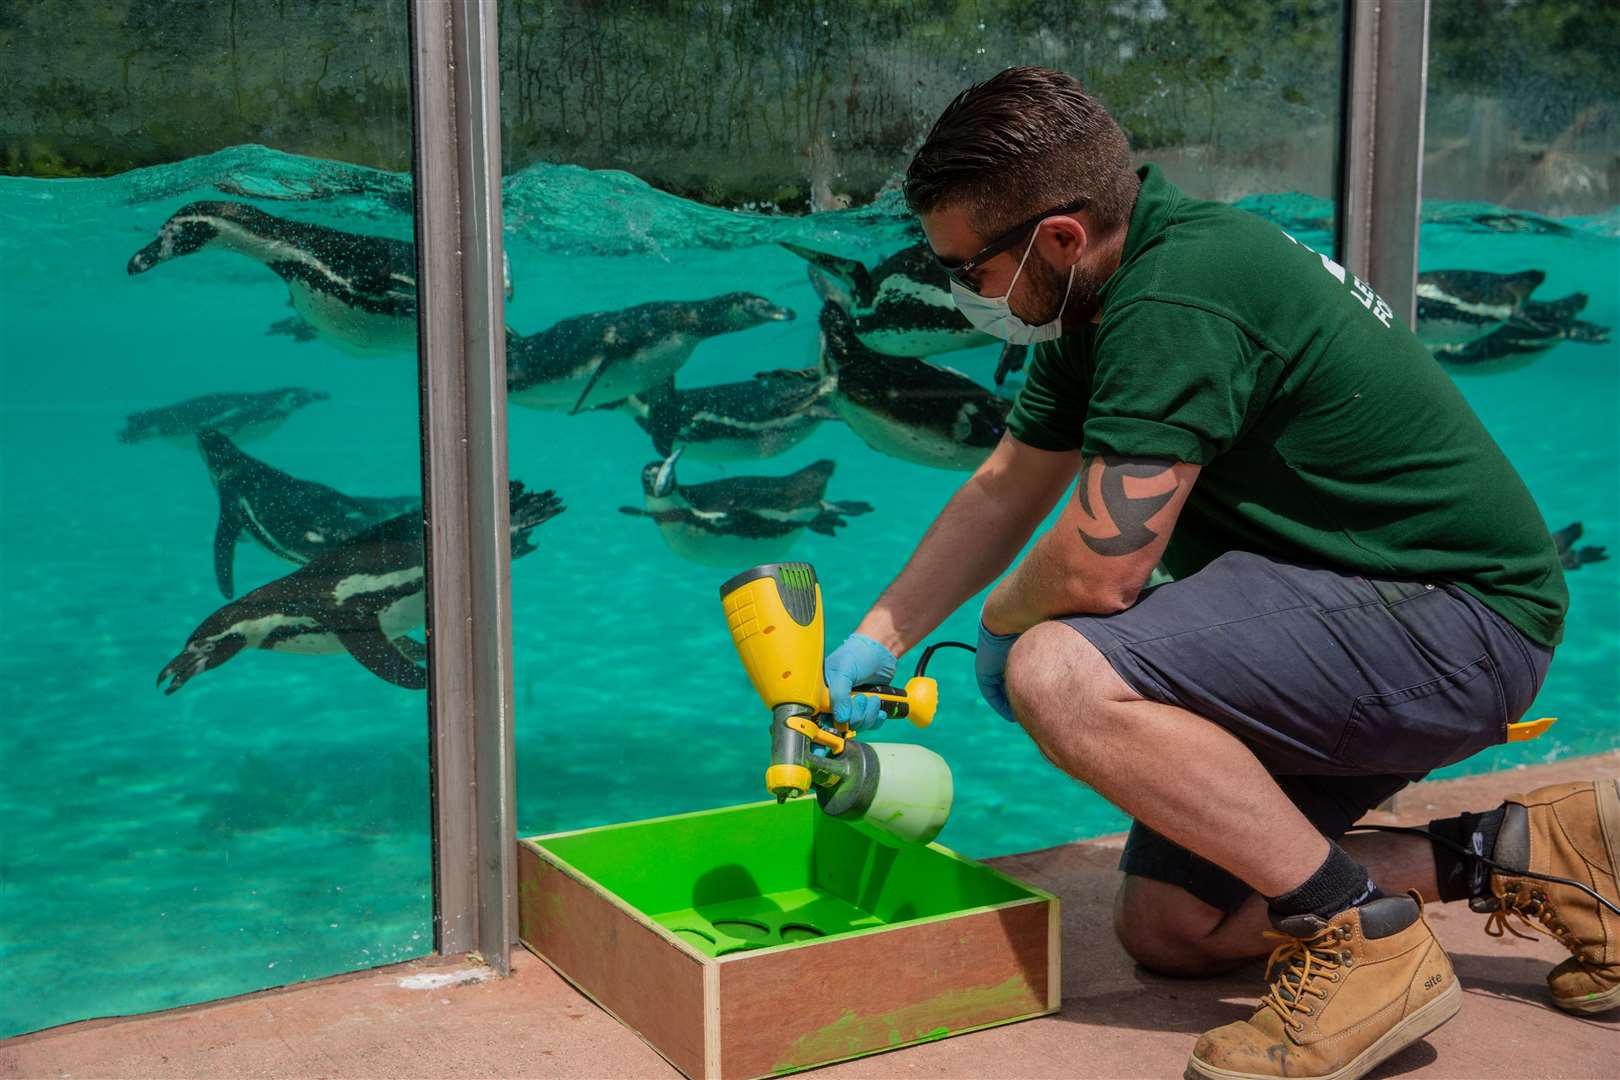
(972, 540)
(1103, 548)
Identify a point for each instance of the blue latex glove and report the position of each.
(858, 660)
(990, 665)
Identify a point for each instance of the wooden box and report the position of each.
(762, 939)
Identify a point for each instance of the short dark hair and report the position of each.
(1018, 143)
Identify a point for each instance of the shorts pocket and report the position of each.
(1410, 732)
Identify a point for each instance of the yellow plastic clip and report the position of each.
(1529, 729)
(816, 733)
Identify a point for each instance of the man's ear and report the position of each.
(1063, 240)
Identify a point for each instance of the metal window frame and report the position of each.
(1381, 146)
(456, 151)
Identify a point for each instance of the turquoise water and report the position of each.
(268, 823)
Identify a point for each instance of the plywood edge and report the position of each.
(1054, 957)
(711, 1022)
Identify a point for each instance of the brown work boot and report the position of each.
(1569, 831)
(1346, 994)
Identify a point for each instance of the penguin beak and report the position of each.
(780, 314)
(182, 669)
(146, 258)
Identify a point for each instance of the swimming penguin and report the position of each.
(907, 407)
(1517, 343)
(743, 520)
(293, 519)
(1572, 557)
(1455, 307)
(295, 327)
(357, 291)
(904, 307)
(244, 416)
(757, 418)
(607, 356)
(362, 597)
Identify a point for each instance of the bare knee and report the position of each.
(1056, 679)
(1169, 931)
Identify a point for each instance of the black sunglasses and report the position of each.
(959, 271)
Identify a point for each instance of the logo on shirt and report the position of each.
(1364, 293)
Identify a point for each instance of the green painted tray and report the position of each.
(761, 939)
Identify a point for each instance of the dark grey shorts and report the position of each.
(1345, 687)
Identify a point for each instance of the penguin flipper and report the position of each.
(1590, 554)
(832, 516)
(596, 373)
(225, 535)
(808, 374)
(412, 649)
(381, 656)
(1565, 538)
(1012, 359)
(294, 327)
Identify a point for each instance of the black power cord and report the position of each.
(1492, 863)
(922, 661)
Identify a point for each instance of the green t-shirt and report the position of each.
(1326, 431)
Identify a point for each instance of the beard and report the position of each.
(1044, 294)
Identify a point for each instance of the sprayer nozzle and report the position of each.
(781, 797)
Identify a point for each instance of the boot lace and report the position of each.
(1517, 899)
(1304, 966)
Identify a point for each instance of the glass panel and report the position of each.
(740, 128)
(1519, 295)
(176, 440)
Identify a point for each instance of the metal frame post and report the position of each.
(455, 69)
(1381, 164)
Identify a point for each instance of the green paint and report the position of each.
(775, 876)
(851, 1035)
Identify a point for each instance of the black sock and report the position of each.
(1460, 877)
(1339, 883)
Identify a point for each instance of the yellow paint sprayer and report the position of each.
(774, 612)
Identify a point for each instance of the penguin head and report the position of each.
(296, 397)
(658, 477)
(740, 311)
(209, 647)
(193, 227)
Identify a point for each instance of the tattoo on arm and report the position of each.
(1123, 528)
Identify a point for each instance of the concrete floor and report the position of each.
(448, 1018)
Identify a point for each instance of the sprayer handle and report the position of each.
(916, 702)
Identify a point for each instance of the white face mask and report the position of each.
(994, 316)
